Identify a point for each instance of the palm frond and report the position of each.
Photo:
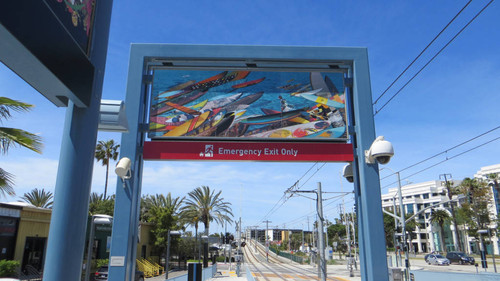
(12, 136)
(38, 198)
(6, 183)
(6, 105)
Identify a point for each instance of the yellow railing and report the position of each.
(148, 270)
(154, 263)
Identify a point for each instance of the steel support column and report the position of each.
(66, 241)
(372, 233)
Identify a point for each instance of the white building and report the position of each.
(494, 207)
(416, 198)
(419, 196)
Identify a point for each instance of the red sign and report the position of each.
(248, 151)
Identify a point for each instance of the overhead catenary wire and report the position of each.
(284, 197)
(445, 151)
(422, 52)
(299, 219)
(447, 159)
(432, 59)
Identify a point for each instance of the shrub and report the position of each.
(102, 262)
(8, 268)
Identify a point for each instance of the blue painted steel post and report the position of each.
(126, 214)
(66, 241)
(370, 204)
(355, 172)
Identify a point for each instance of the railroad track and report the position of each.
(276, 269)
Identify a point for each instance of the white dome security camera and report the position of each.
(380, 151)
(123, 168)
(347, 173)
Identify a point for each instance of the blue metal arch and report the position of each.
(143, 56)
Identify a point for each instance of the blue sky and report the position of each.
(454, 99)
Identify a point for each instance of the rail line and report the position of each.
(287, 270)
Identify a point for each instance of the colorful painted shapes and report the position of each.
(249, 83)
(188, 126)
(322, 100)
(272, 118)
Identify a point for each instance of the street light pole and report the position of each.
(168, 256)
(321, 242)
(403, 226)
(96, 219)
(267, 242)
(403, 223)
(493, 250)
(167, 262)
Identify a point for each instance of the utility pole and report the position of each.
(267, 241)
(326, 226)
(354, 239)
(453, 216)
(321, 237)
(302, 248)
(403, 228)
(402, 220)
(239, 256)
(321, 245)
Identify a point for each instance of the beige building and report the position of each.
(24, 230)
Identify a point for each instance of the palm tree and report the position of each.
(105, 151)
(150, 202)
(440, 217)
(38, 198)
(12, 137)
(163, 212)
(190, 215)
(210, 206)
(100, 205)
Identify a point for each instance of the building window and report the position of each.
(425, 195)
(409, 208)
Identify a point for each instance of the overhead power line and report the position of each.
(432, 59)
(426, 47)
(445, 151)
(284, 197)
(447, 159)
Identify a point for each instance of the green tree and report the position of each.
(341, 245)
(440, 217)
(104, 152)
(8, 268)
(100, 205)
(389, 229)
(410, 226)
(296, 241)
(12, 137)
(38, 198)
(210, 206)
(191, 216)
(337, 229)
(474, 211)
(451, 190)
(163, 212)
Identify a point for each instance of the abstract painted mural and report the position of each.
(247, 105)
